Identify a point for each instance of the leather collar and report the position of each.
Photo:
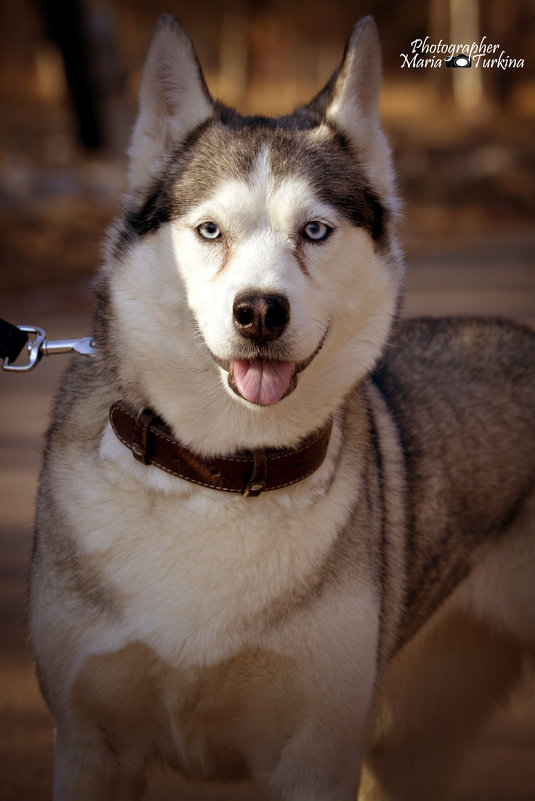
(250, 473)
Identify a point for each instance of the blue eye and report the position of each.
(316, 231)
(209, 230)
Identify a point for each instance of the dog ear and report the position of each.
(350, 102)
(351, 95)
(354, 89)
(173, 99)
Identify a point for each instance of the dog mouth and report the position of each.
(263, 380)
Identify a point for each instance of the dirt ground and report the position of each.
(490, 275)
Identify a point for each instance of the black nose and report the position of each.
(261, 317)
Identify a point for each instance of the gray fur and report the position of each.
(227, 147)
(429, 481)
(462, 394)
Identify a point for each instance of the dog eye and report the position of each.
(316, 231)
(209, 230)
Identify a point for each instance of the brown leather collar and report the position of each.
(250, 473)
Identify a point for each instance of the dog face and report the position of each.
(269, 263)
(261, 248)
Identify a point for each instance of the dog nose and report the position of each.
(261, 317)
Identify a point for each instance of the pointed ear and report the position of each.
(354, 92)
(350, 102)
(173, 100)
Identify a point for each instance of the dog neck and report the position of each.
(250, 473)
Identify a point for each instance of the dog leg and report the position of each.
(87, 769)
(321, 759)
(441, 689)
(311, 770)
(318, 758)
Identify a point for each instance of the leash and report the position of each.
(14, 338)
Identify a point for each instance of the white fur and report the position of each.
(349, 291)
(187, 606)
(257, 621)
(194, 575)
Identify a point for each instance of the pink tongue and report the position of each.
(262, 381)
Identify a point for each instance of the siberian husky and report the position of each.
(300, 547)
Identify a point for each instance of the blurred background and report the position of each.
(464, 145)
(69, 70)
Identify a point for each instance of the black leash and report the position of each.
(12, 341)
(14, 338)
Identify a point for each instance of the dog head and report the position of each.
(254, 274)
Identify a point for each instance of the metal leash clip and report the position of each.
(40, 346)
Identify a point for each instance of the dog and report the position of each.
(281, 534)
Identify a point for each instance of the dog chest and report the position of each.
(218, 722)
(194, 572)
